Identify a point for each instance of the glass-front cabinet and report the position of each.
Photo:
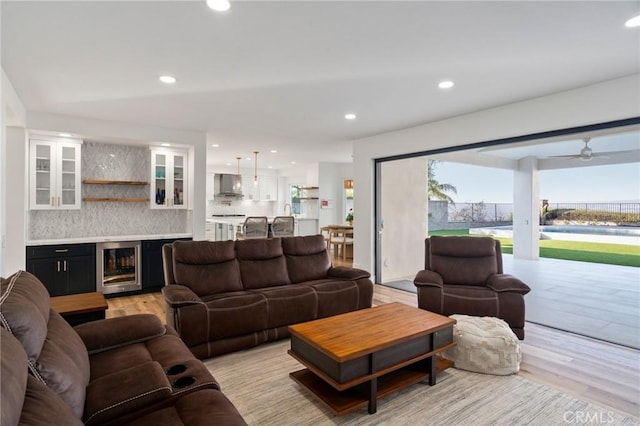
(168, 179)
(54, 174)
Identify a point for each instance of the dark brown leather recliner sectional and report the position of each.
(122, 371)
(223, 296)
(464, 275)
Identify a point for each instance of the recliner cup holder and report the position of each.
(183, 382)
(176, 369)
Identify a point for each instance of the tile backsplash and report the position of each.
(110, 162)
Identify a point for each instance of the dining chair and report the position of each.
(340, 238)
(326, 234)
(254, 227)
(282, 226)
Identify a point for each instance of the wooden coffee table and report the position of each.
(355, 358)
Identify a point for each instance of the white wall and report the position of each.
(607, 101)
(331, 183)
(12, 156)
(404, 212)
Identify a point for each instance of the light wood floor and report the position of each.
(603, 373)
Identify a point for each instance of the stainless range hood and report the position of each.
(227, 185)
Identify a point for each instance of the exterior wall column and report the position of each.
(526, 195)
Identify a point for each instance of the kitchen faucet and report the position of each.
(285, 209)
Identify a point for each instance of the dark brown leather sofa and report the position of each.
(464, 275)
(121, 371)
(223, 296)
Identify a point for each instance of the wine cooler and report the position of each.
(118, 266)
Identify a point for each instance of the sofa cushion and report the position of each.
(25, 400)
(471, 263)
(205, 407)
(289, 304)
(262, 263)
(335, 297)
(13, 371)
(127, 390)
(57, 356)
(307, 258)
(24, 311)
(472, 300)
(63, 364)
(206, 267)
(235, 316)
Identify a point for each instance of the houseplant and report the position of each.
(350, 217)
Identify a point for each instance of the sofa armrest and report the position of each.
(504, 282)
(427, 278)
(125, 391)
(177, 295)
(347, 273)
(102, 335)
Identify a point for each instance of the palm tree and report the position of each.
(435, 189)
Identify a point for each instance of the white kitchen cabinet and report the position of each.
(266, 189)
(250, 189)
(210, 231)
(54, 174)
(169, 185)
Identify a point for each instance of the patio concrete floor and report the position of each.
(591, 299)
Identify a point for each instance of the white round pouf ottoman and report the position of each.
(484, 345)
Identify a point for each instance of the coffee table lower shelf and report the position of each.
(355, 398)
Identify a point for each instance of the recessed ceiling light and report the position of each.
(269, 167)
(273, 151)
(167, 79)
(248, 158)
(446, 84)
(633, 22)
(219, 5)
(293, 162)
(64, 135)
(350, 116)
(215, 145)
(165, 144)
(227, 164)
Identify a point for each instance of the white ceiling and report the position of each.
(281, 75)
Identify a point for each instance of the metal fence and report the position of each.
(503, 212)
(480, 212)
(617, 212)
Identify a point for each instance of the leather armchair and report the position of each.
(463, 275)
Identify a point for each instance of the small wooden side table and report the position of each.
(80, 308)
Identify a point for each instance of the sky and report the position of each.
(615, 183)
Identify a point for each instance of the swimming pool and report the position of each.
(602, 234)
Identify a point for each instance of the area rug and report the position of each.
(257, 381)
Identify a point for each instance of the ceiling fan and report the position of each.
(586, 153)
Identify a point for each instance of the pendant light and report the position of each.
(239, 180)
(255, 168)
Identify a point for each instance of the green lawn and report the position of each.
(612, 254)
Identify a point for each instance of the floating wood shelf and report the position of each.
(121, 200)
(114, 182)
(308, 198)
